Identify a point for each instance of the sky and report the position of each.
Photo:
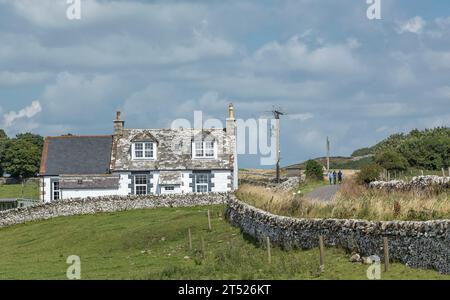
(333, 71)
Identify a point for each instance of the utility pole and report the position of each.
(277, 114)
(328, 155)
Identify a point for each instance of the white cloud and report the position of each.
(413, 25)
(22, 78)
(295, 55)
(26, 113)
(301, 117)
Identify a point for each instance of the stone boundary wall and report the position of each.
(105, 204)
(416, 183)
(416, 244)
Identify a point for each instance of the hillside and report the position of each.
(153, 244)
(340, 162)
(426, 149)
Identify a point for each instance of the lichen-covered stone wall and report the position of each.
(416, 183)
(105, 204)
(416, 244)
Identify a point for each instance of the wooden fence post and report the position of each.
(422, 172)
(209, 221)
(443, 172)
(203, 247)
(448, 171)
(386, 254)
(269, 254)
(322, 254)
(190, 239)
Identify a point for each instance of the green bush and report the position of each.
(313, 170)
(369, 173)
(391, 161)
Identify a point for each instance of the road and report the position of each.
(323, 193)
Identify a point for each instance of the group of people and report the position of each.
(334, 177)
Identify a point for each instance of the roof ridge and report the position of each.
(79, 136)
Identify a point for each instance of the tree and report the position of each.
(3, 139)
(21, 156)
(313, 170)
(391, 160)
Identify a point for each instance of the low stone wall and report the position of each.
(105, 204)
(416, 244)
(417, 183)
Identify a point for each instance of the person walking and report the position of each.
(340, 176)
(330, 177)
(334, 177)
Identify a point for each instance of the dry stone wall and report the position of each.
(416, 244)
(105, 204)
(417, 183)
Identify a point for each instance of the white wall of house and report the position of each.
(47, 197)
(176, 189)
(124, 183)
(185, 188)
(221, 181)
(84, 193)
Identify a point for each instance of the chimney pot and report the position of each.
(118, 116)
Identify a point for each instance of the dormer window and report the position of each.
(144, 150)
(204, 149)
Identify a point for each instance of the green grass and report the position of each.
(310, 185)
(152, 244)
(30, 191)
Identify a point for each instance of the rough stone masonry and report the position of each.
(105, 204)
(416, 244)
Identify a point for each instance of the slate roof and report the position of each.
(174, 150)
(74, 155)
(80, 182)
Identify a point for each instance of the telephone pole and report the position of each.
(328, 155)
(277, 114)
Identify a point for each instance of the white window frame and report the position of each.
(201, 184)
(136, 185)
(204, 152)
(147, 147)
(56, 191)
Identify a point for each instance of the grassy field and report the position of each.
(30, 191)
(152, 244)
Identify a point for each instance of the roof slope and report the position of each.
(76, 155)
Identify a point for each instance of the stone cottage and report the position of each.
(140, 162)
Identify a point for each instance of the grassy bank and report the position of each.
(28, 191)
(352, 201)
(152, 244)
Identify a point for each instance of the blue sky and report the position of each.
(335, 72)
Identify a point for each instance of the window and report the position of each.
(143, 150)
(56, 191)
(140, 184)
(169, 188)
(204, 149)
(201, 183)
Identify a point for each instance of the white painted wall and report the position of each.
(47, 190)
(124, 184)
(185, 182)
(70, 194)
(221, 181)
(177, 190)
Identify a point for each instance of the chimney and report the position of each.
(231, 122)
(118, 124)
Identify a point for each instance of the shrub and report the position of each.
(313, 170)
(369, 173)
(391, 160)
